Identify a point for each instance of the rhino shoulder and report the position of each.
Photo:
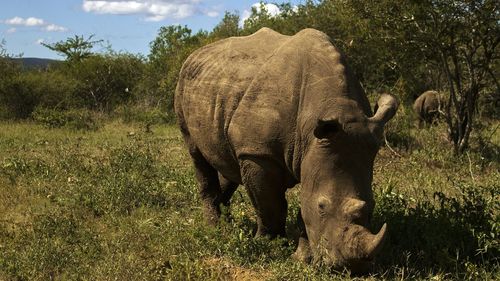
(265, 31)
(313, 33)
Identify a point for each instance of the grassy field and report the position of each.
(120, 203)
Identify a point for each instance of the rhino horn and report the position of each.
(386, 107)
(375, 242)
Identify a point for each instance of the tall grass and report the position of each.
(121, 203)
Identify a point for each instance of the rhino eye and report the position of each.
(323, 203)
(322, 209)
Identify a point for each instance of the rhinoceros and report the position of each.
(427, 107)
(269, 111)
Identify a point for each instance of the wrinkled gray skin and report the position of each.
(269, 111)
(427, 107)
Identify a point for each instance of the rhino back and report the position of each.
(261, 95)
(211, 85)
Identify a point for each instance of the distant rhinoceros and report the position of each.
(427, 107)
(269, 111)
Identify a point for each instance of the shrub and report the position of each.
(23, 93)
(398, 131)
(77, 119)
(106, 81)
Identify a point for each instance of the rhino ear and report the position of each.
(384, 110)
(326, 128)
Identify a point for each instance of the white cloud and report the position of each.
(113, 7)
(11, 30)
(54, 28)
(153, 10)
(271, 9)
(31, 22)
(212, 14)
(40, 41)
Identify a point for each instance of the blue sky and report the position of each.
(128, 25)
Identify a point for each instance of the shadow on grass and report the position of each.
(452, 236)
(442, 235)
(402, 141)
(489, 151)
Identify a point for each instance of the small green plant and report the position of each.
(132, 113)
(56, 244)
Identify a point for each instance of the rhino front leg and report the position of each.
(228, 188)
(266, 188)
(303, 252)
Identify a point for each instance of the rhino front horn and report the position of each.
(375, 242)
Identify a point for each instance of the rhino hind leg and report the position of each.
(209, 187)
(266, 190)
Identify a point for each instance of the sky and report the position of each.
(126, 25)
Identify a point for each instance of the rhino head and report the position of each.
(336, 195)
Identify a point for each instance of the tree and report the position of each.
(74, 49)
(286, 21)
(453, 39)
(229, 26)
(7, 66)
(105, 80)
(9, 71)
(168, 51)
(461, 37)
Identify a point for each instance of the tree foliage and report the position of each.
(106, 81)
(408, 47)
(454, 40)
(228, 27)
(403, 47)
(168, 51)
(74, 49)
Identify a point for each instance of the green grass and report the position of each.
(121, 203)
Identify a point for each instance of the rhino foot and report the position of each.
(303, 252)
(212, 213)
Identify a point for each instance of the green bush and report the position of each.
(398, 131)
(21, 94)
(77, 119)
(105, 81)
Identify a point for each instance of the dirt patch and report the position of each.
(235, 272)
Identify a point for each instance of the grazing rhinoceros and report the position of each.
(427, 107)
(269, 111)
